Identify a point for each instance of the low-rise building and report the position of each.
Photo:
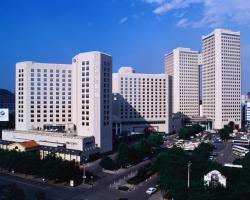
(23, 146)
(53, 141)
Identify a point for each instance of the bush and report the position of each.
(108, 164)
(123, 188)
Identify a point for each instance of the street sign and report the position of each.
(4, 115)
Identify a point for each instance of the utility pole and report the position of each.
(189, 164)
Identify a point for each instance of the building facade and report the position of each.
(140, 101)
(247, 113)
(182, 65)
(43, 96)
(221, 77)
(74, 99)
(92, 97)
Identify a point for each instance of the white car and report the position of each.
(151, 190)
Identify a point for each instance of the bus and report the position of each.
(241, 142)
(240, 151)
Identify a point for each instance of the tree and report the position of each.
(187, 132)
(123, 154)
(231, 125)
(108, 164)
(225, 132)
(155, 139)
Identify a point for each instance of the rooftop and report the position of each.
(29, 144)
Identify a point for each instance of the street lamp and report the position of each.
(84, 159)
(189, 164)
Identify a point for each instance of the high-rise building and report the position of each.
(92, 97)
(74, 99)
(140, 101)
(182, 65)
(247, 114)
(221, 77)
(43, 96)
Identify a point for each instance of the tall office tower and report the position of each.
(92, 97)
(140, 101)
(221, 77)
(43, 95)
(182, 65)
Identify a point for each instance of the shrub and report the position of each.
(108, 164)
(123, 188)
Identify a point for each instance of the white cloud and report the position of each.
(174, 5)
(123, 20)
(183, 23)
(154, 1)
(213, 13)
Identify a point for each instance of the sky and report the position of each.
(136, 33)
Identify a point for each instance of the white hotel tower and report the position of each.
(92, 97)
(221, 77)
(182, 66)
(74, 99)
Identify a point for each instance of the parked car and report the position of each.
(151, 190)
(211, 158)
(214, 154)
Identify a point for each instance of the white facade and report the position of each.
(73, 142)
(221, 77)
(247, 113)
(92, 97)
(43, 95)
(75, 98)
(182, 64)
(140, 100)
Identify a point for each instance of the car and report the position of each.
(211, 158)
(214, 154)
(151, 190)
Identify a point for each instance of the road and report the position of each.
(31, 187)
(101, 190)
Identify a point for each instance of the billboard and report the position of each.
(4, 115)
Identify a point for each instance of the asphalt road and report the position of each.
(101, 190)
(224, 151)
